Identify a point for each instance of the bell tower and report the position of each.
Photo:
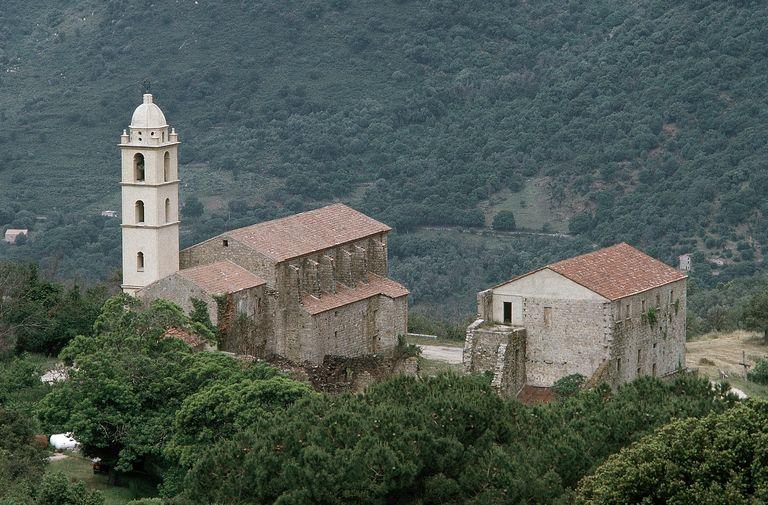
(150, 193)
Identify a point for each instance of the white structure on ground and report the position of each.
(685, 261)
(12, 234)
(150, 194)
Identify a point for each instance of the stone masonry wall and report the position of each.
(292, 332)
(180, 291)
(369, 326)
(564, 337)
(500, 350)
(213, 250)
(247, 328)
(648, 345)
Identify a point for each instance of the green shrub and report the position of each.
(759, 373)
(568, 385)
(504, 221)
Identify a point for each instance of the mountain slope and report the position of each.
(646, 118)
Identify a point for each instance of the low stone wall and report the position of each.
(497, 349)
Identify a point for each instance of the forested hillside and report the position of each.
(627, 120)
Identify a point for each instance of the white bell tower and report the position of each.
(150, 191)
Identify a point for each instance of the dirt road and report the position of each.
(444, 353)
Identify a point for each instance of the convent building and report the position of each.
(301, 287)
(611, 315)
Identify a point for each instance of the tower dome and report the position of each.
(148, 115)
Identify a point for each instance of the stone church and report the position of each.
(301, 287)
(610, 315)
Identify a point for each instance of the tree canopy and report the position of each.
(441, 440)
(720, 458)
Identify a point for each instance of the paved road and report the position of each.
(442, 353)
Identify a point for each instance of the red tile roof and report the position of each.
(191, 340)
(617, 271)
(221, 277)
(534, 395)
(345, 295)
(308, 232)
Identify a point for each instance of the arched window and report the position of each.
(138, 167)
(167, 210)
(166, 166)
(140, 262)
(139, 212)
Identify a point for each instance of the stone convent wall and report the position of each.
(245, 322)
(214, 250)
(498, 349)
(362, 328)
(243, 318)
(648, 334)
(564, 337)
(180, 291)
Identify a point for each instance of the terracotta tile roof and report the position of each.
(221, 277)
(617, 271)
(345, 295)
(191, 340)
(534, 395)
(308, 232)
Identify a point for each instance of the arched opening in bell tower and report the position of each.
(139, 212)
(167, 166)
(167, 210)
(140, 262)
(138, 167)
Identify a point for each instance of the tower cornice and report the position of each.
(151, 226)
(148, 146)
(149, 184)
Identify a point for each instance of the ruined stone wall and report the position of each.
(485, 305)
(214, 250)
(500, 350)
(246, 322)
(369, 326)
(564, 337)
(289, 330)
(645, 341)
(348, 264)
(180, 291)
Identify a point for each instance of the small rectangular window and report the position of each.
(225, 243)
(618, 365)
(654, 370)
(618, 312)
(642, 306)
(547, 317)
(658, 300)
(638, 356)
(627, 311)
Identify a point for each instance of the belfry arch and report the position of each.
(138, 167)
(139, 212)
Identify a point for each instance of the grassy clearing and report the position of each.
(715, 352)
(76, 467)
(532, 207)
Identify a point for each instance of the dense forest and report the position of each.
(626, 120)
